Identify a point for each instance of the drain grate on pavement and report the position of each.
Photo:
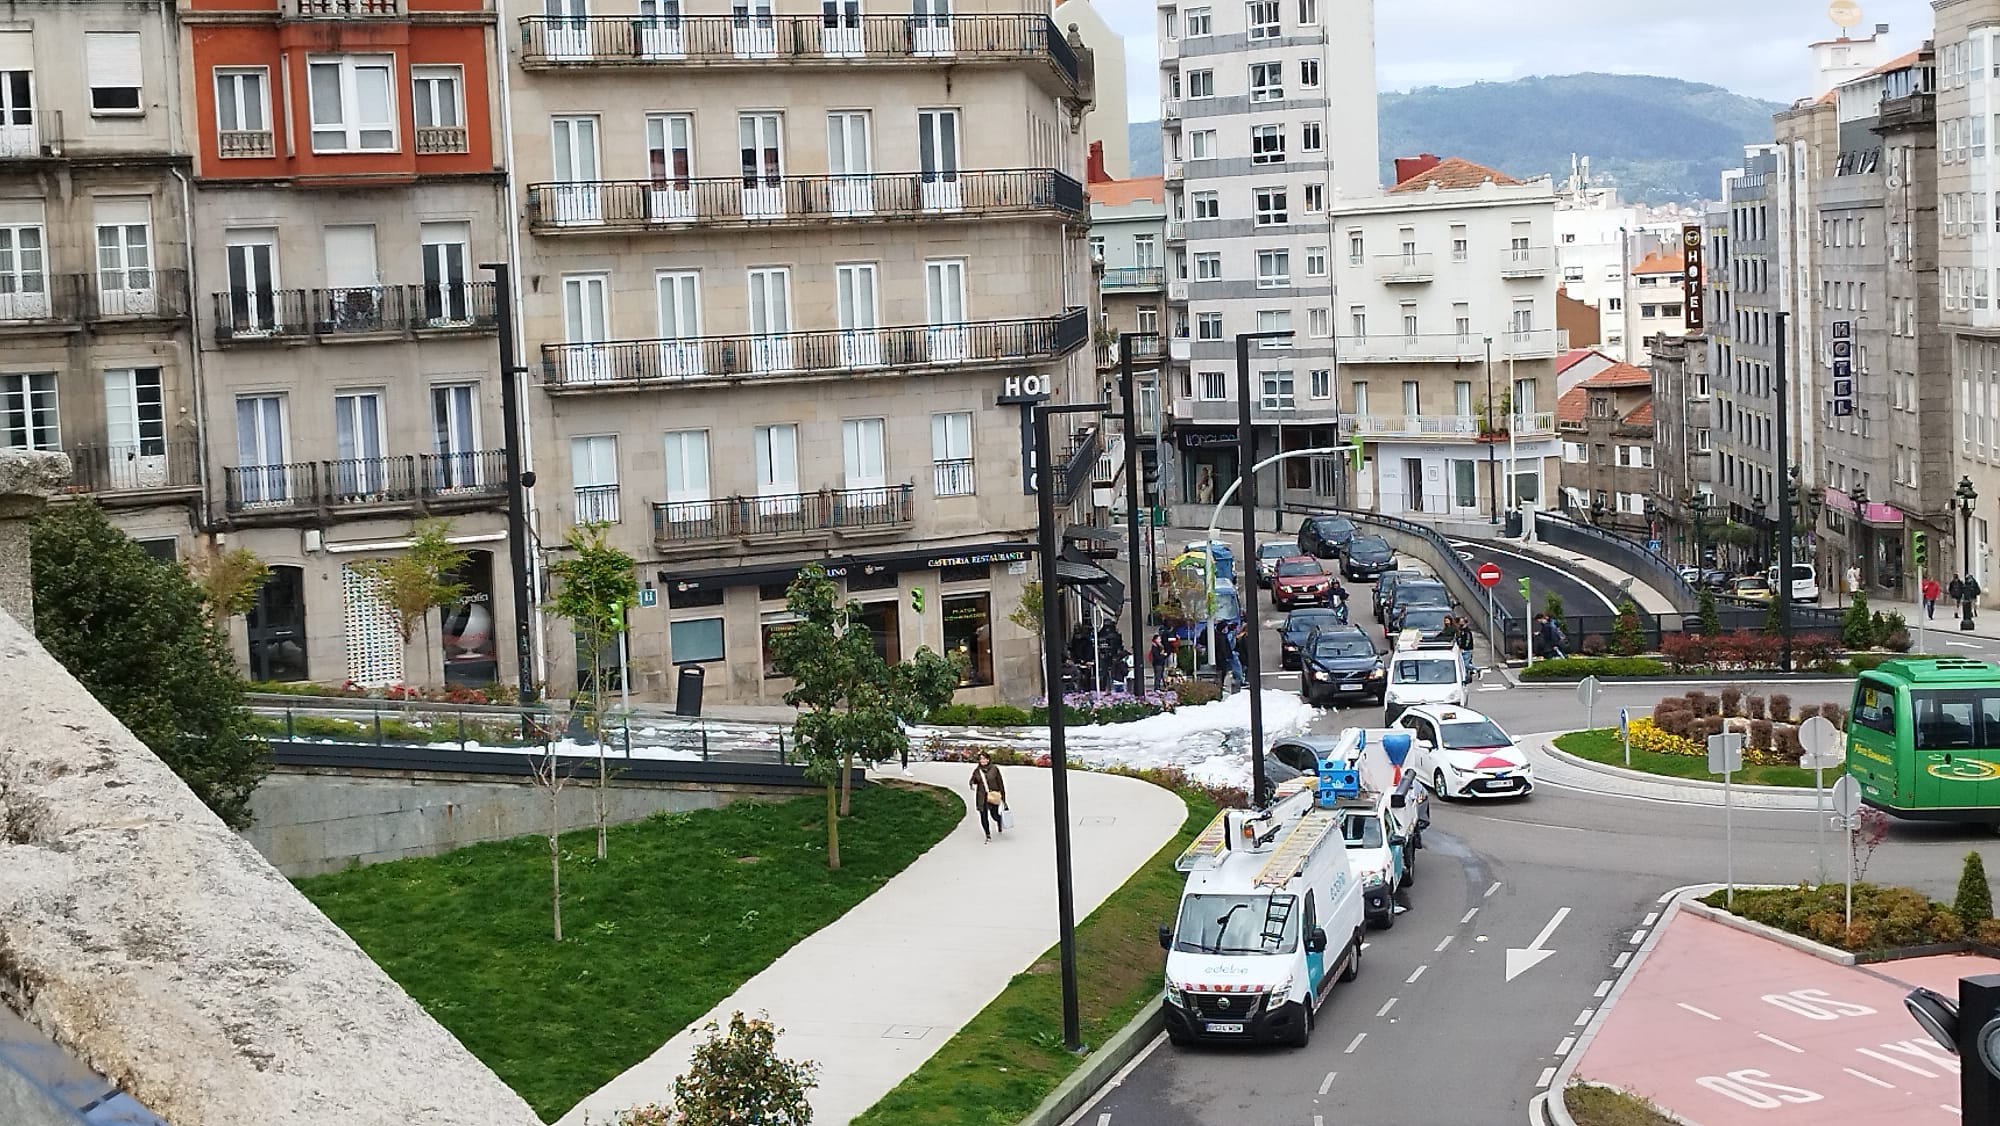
(906, 1032)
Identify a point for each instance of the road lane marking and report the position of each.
(1584, 1016)
(1446, 941)
(1318, 1121)
(1563, 1048)
(1603, 987)
(1520, 960)
(1869, 1078)
(1962, 644)
(1618, 963)
(1386, 1006)
(1951, 1110)
(1894, 1062)
(1638, 936)
(1697, 1012)
(1780, 1043)
(1356, 1042)
(1491, 890)
(1548, 1073)
(1327, 1084)
(1651, 918)
(1104, 1119)
(1413, 977)
(1468, 916)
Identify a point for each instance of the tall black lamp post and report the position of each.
(1135, 501)
(1246, 461)
(1492, 454)
(519, 481)
(1698, 507)
(1968, 499)
(1052, 673)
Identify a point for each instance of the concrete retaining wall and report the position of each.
(320, 819)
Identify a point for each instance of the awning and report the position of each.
(1092, 534)
(1090, 580)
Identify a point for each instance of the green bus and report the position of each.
(1923, 740)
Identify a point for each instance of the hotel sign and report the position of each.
(1691, 305)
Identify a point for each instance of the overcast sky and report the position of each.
(1750, 46)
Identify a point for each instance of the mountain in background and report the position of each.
(1661, 140)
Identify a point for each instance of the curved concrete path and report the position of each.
(873, 995)
(1554, 768)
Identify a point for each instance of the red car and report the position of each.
(1299, 581)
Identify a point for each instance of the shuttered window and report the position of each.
(111, 60)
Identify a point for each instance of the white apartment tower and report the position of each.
(1254, 155)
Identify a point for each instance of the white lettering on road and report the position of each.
(1753, 1088)
(1865, 1077)
(1697, 1012)
(1780, 1043)
(1909, 1067)
(1814, 1004)
(1926, 1051)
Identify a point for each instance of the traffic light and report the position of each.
(1525, 596)
(1921, 550)
(917, 599)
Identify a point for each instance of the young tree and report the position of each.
(1627, 638)
(1857, 627)
(552, 779)
(136, 634)
(853, 703)
(1974, 902)
(228, 581)
(1711, 618)
(420, 580)
(736, 1078)
(594, 587)
(1027, 613)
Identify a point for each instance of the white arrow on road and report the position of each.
(1521, 961)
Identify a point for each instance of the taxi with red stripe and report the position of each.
(1460, 753)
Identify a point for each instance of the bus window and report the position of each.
(1955, 719)
(1875, 707)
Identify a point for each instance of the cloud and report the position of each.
(1755, 47)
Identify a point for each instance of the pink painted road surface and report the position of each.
(1727, 1029)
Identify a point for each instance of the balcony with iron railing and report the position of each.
(435, 482)
(280, 316)
(340, 9)
(680, 204)
(846, 513)
(1132, 279)
(625, 365)
(62, 302)
(953, 477)
(594, 504)
(1527, 261)
(1471, 427)
(142, 472)
(554, 42)
(1447, 347)
(1176, 230)
(1406, 268)
(1147, 348)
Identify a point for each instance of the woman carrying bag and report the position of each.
(989, 793)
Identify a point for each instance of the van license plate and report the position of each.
(1350, 688)
(1225, 1027)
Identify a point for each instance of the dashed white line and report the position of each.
(1412, 979)
(1318, 1121)
(1603, 987)
(1326, 1084)
(1386, 1006)
(1697, 1012)
(1781, 1043)
(1583, 1017)
(1651, 918)
(1356, 1042)
(1548, 1074)
(1563, 1048)
(1892, 1061)
(1468, 916)
(1951, 1110)
(1862, 1075)
(1618, 963)
(1491, 890)
(1638, 936)
(1446, 941)
(1104, 1120)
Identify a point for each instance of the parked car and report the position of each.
(1268, 555)
(1299, 625)
(1367, 557)
(1427, 674)
(1325, 537)
(1341, 661)
(1715, 579)
(1751, 588)
(1300, 581)
(1385, 587)
(1805, 583)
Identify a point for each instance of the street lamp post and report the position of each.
(1052, 672)
(519, 480)
(1968, 499)
(1698, 507)
(1246, 454)
(1492, 455)
(1135, 498)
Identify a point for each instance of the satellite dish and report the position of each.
(1844, 13)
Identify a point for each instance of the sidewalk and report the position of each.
(1647, 598)
(1944, 627)
(1554, 768)
(872, 996)
(1728, 1029)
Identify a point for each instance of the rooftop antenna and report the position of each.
(1844, 14)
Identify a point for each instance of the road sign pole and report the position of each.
(1846, 804)
(1819, 817)
(1818, 738)
(1729, 830)
(1625, 734)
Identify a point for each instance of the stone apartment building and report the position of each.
(1655, 299)
(1447, 339)
(94, 283)
(347, 186)
(1609, 451)
(1743, 333)
(790, 281)
(1128, 223)
(1683, 438)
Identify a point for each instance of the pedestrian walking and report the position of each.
(1930, 593)
(1956, 592)
(1232, 652)
(1853, 583)
(1156, 655)
(1464, 640)
(1549, 637)
(989, 793)
(1971, 597)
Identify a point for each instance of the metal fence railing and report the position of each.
(1627, 555)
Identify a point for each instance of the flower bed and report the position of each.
(495, 693)
(1769, 725)
(1080, 709)
(1885, 918)
(1576, 668)
(1737, 652)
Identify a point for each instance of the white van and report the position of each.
(1426, 673)
(1270, 918)
(1805, 583)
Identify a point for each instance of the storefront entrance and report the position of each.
(277, 627)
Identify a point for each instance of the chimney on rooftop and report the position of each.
(1408, 167)
(1094, 171)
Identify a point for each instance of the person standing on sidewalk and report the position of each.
(989, 793)
(1956, 592)
(1971, 597)
(1930, 594)
(1464, 640)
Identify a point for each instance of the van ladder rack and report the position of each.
(1207, 849)
(1306, 836)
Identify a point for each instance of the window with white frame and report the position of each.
(1319, 322)
(1267, 144)
(435, 98)
(1274, 269)
(1310, 137)
(687, 468)
(1207, 205)
(1315, 195)
(1264, 19)
(1459, 242)
(1200, 23)
(111, 62)
(1319, 383)
(1271, 208)
(1461, 321)
(1357, 320)
(1309, 73)
(1208, 326)
(1357, 248)
(1208, 266)
(1357, 401)
(1409, 319)
(1308, 12)
(352, 102)
(1201, 145)
(28, 412)
(1267, 82)
(951, 454)
(1201, 84)
(1278, 391)
(242, 107)
(1274, 320)
(1214, 387)
(1315, 261)
(593, 462)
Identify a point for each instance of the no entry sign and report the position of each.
(1489, 574)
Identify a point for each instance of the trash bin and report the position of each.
(687, 694)
(1514, 524)
(1225, 561)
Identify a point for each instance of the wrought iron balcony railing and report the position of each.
(1133, 277)
(623, 364)
(135, 467)
(418, 480)
(739, 517)
(678, 203)
(244, 316)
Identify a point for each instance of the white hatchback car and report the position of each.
(1459, 753)
(1428, 673)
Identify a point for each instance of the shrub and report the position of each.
(952, 715)
(1710, 617)
(1593, 646)
(1884, 917)
(1898, 640)
(1732, 701)
(1857, 629)
(1648, 735)
(1576, 668)
(1194, 692)
(1001, 715)
(1552, 605)
(1785, 744)
(1753, 706)
(1711, 725)
(1627, 638)
(1703, 704)
(1988, 932)
(1974, 902)
(1807, 711)
(1834, 714)
(1781, 707)
(1760, 735)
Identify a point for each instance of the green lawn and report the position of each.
(687, 908)
(1601, 1106)
(1008, 1059)
(1603, 745)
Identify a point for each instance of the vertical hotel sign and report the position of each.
(1691, 283)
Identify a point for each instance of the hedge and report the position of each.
(1576, 668)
